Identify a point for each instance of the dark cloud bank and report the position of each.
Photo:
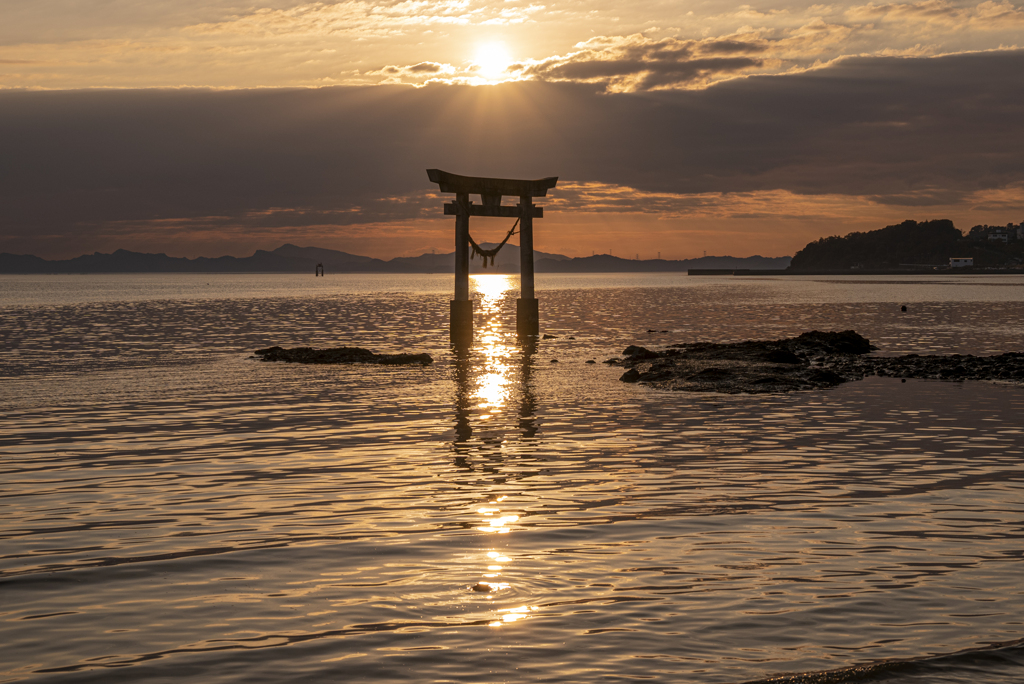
(910, 132)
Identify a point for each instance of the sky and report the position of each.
(675, 128)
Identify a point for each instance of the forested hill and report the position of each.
(904, 245)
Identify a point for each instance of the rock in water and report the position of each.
(340, 355)
(814, 360)
(632, 375)
(637, 353)
(845, 342)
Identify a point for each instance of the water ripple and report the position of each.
(496, 516)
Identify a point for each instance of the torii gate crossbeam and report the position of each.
(491, 191)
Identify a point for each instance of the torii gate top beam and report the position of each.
(490, 187)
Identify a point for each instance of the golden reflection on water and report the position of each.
(492, 341)
(487, 384)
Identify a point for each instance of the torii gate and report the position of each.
(491, 190)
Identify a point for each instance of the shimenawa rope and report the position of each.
(491, 253)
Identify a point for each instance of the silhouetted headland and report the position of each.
(814, 360)
(915, 246)
(340, 355)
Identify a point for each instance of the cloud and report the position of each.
(778, 204)
(413, 72)
(898, 132)
(637, 63)
(220, 43)
(987, 15)
(616, 64)
(430, 68)
(355, 18)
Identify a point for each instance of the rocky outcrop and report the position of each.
(1007, 367)
(814, 360)
(340, 355)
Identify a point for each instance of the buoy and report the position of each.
(903, 308)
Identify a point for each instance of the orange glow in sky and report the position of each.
(204, 129)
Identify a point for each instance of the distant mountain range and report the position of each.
(292, 259)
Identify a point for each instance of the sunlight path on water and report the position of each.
(499, 516)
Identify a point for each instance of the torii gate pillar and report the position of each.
(527, 306)
(461, 319)
(491, 191)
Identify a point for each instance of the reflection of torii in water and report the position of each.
(462, 445)
(491, 190)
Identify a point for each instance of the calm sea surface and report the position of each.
(171, 508)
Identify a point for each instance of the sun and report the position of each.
(492, 60)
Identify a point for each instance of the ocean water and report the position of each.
(171, 508)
